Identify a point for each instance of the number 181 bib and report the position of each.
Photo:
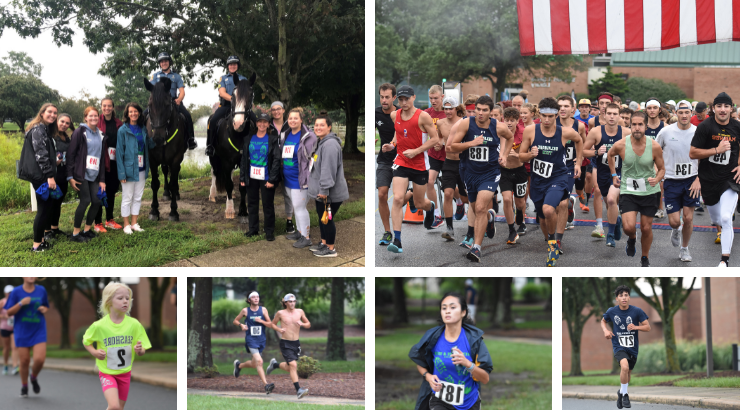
(453, 394)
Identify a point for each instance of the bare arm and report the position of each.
(274, 323)
(242, 314)
(304, 321)
(453, 131)
(644, 326)
(503, 131)
(525, 155)
(181, 96)
(616, 149)
(607, 332)
(457, 145)
(426, 124)
(223, 94)
(588, 145)
(15, 308)
(430, 378)
(658, 159)
(572, 135)
(98, 354)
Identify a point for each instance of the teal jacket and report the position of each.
(127, 153)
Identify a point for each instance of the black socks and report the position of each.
(296, 386)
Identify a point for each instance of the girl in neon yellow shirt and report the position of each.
(118, 335)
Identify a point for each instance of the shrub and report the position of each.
(692, 357)
(308, 366)
(223, 313)
(317, 311)
(532, 293)
(640, 89)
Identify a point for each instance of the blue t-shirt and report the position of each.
(447, 372)
(255, 336)
(136, 130)
(624, 339)
(290, 165)
(258, 154)
(30, 325)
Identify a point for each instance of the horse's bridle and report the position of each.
(165, 125)
(247, 116)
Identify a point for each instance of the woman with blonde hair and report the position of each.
(117, 335)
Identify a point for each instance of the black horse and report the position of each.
(167, 128)
(229, 140)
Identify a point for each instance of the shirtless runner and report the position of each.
(292, 320)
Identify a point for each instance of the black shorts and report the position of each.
(413, 175)
(451, 176)
(383, 175)
(435, 164)
(514, 180)
(631, 360)
(437, 404)
(290, 349)
(6, 333)
(646, 205)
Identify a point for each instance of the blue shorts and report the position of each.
(554, 192)
(571, 180)
(476, 183)
(677, 194)
(254, 346)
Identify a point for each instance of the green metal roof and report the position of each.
(703, 55)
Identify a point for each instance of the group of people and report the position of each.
(558, 154)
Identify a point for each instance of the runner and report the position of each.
(497, 113)
(514, 178)
(625, 114)
(654, 125)
(681, 185)
(6, 334)
(453, 360)
(30, 302)
(640, 191)
(550, 175)
(436, 155)
(470, 295)
(565, 119)
(701, 113)
(412, 128)
(384, 170)
(451, 180)
(624, 337)
(715, 145)
(585, 183)
(116, 335)
(292, 320)
(527, 114)
(256, 321)
(479, 138)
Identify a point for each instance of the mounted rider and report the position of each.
(226, 88)
(165, 63)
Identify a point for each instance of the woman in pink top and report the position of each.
(6, 331)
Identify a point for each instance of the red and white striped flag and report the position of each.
(613, 26)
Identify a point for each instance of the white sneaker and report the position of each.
(722, 265)
(684, 255)
(676, 238)
(127, 230)
(660, 214)
(136, 228)
(569, 226)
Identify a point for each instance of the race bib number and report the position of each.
(721, 159)
(521, 189)
(542, 168)
(570, 154)
(141, 161)
(479, 154)
(112, 154)
(452, 394)
(313, 161)
(605, 160)
(119, 357)
(257, 173)
(255, 331)
(627, 341)
(92, 163)
(288, 151)
(636, 185)
(683, 169)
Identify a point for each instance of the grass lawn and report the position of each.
(731, 382)
(614, 380)
(197, 402)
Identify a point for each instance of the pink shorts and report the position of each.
(122, 382)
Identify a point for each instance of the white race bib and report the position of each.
(479, 153)
(119, 357)
(141, 161)
(683, 169)
(112, 154)
(605, 160)
(636, 185)
(721, 159)
(257, 173)
(452, 394)
(626, 341)
(542, 168)
(288, 151)
(92, 163)
(313, 160)
(521, 189)
(570, 154)
(255, 331)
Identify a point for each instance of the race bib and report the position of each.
(521, 189)
(721, 159)
(636, 185)
(257, 173)
(570, 154)
(112, 154)
(605, 160)
(452, 394)
(288, 151)
(542, 168)
(627, 341)
(313, 160)
(479, 154)
(141, 161)
(255, 331)
(92, 163)
(119, 357)
(683, 169)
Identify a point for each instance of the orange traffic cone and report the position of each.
(413, 217)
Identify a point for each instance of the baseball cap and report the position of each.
(289, 297)
(634, 106)
(263, 117)
(701, 106)
(671, 102)
(469, 282)
(9, 288)
(405, 91)
(450, 100)
(683, 104)
(584, 101)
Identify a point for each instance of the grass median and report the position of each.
(199, 402)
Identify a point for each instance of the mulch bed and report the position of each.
(343, 385)
(696, 376)
(349, 331)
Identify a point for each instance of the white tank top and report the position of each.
(676, 144)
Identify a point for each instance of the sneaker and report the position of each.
(5, 370)
(316, 247)
(684, 255)
(722, 264)
(303, 242)
(24, 392)
(618, 229)
(395, 247)
(272, 366)
(569, 226)
(58, 233)
(522, 230)
(90, 234)
(136, 228)
(660, 214)
(619, 398)
(412, 206)
(39, 248)
(250, 234)
(325, 252)
(626, 401)
(16, 371)
(269, 236)
(127, 230)
(289, 228)
(598, 232)
(552, 252)
(473, 255)
(560, 247)
(699, 209)
(467, 242)
(78, 238)
(459, 212)
(237, 370)
(584, 208)
(100, 228)
(645, 263)
(676, 237)
(36, 387)
(513, 237)
(113, 225)
(429, 216)
(630, 248)
(294, 236)
(491, 226)
(48, 236)
(610, 240)
(449, 234)
(718, 239)
(438, 221)
(386, 239)
(571, 204)
(302, 392)
(269, 388)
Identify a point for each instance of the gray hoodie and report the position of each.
(94, 149)
(327, 174)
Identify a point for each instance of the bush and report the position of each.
(533, 293)
(308, 366)
(169, 336)
(317, 312)
(640, 89)
(692, 357)
(223, 313)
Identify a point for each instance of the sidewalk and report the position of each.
(332, 401)
(350, 251)
(710, 398)
(157, 374)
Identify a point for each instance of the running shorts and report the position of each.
(451, 176)
(290, 349)
(514, 180)
(677, 194)
(122, 382)
(413, 175)
(646, 205)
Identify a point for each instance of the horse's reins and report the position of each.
(154, 127)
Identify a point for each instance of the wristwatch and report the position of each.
(424, 376)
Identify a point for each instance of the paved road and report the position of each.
(424, 247)
(579, 404)
(69, 390)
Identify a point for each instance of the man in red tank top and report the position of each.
(412, 128)
(436, 155)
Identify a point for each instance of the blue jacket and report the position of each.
(127, 153)
(423, 355)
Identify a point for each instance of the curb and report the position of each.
(151, 380)
(691, 401)
(315, 400)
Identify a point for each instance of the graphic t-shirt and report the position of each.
(29, 325)
(258, 158)
(455, 378)
(256, 334)
(626, 340)
(118, 341)
(717, 168)
(290, 165)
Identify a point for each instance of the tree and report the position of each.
(491, 293)
(576, 298)
(19, 63)
(189, 291)
(92, 289)
(60, 291)
(335, 336)
(610, 82)
(75, 107)
(673, 297)
(199, 339)
(157, 293)
(390, 54)
(640, 89)
(125, 68)
(400, 315)
(21, 97)
(200, 111)
(604, 299)
(507, 321)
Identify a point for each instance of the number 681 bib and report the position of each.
(119, 357)
(450, 393)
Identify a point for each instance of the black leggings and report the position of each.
(328, 231)
(43, 209)
(56, 204)
(222, 111)
(111, 187)
(268, 205)
(88, 195)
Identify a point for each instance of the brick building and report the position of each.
(596, 352)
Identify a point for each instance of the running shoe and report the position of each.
(676, 237)
(722, 264)
(269, 236)
(49, 235)
(645, 263)
(467, 242)
(684, 255)
(136, 228)
(626, 397)
(459, 212)
(302, 392)
(58, 232)
(269, 388)
(522, 230)
(718, 239)
(660, 214)
(272, 366)
(78, 238)
(5, 370)
(90, 234)
(618, 229)
(571, 204)
(598, 232)
(438, 221)
(38, 249)
(630, 248)
(584, 208)
(100, 228)
(491, 226)
(411, 203)
(429, 216)
(619, 398)
(395, 247)
(16, 371)
(24, 392)
(569, 226)
(699, 209)
(449, 234)
(302, 243)
(386, 239)
(552, 252)
(112, 225)
(513, 237)
(127, 230)
(325, 252)
(610, 240)
(36, 387)
(237, 370)
(289, 228)
(318, 246)
(560, 247)
(296, 235)
(474, 255)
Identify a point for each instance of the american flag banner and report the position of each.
(613, 26)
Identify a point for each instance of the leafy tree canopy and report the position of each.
(640, 89)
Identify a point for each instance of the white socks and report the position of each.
(599, 222)
(624, 388)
